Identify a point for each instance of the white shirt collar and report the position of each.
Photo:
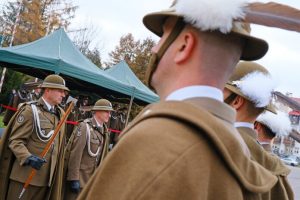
(196, 91)
(98, 124)
(243, 124)
(264, 143)
(47, 104)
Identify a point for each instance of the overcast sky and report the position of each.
(115, 18)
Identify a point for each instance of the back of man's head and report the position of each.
(222, 26)
(218, 56)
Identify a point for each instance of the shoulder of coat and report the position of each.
(24, 112)
(28, 103)
(81, 127)
(61, 110)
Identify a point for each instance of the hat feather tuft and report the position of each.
(279, 123)
(212, 14)
(258, 87)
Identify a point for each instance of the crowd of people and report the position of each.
(203, 140)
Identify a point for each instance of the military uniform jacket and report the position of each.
(82, 160)
(267, 147)
(282, 190)
(117, 121)
(180, 150)
(21, 140)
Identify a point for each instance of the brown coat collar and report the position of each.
(226, 143)
(251, 132)
(217, 108)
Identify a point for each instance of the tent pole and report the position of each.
(2, 78)
(129, 109)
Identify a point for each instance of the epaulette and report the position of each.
(30, 102)
(79, 121)
(88, 120)
(26, 103)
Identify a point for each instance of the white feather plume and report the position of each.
(258, 87)
(211, 14)
(279, 123)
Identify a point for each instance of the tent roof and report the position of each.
(56, 53)
(124, 74)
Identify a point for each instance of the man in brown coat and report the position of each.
(186, 147)
(26, 137)
(249, 92)
(87, 148)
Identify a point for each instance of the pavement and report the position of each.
(294, 179)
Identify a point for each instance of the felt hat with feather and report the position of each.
(253, 82)
(279, 124)
(208, 15)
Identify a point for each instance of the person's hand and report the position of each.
(75, 186)
(35, 162)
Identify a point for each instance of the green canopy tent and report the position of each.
(124, 74)
(56, 53)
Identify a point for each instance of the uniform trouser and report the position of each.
(32, 192)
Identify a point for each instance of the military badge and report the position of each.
(20, 119)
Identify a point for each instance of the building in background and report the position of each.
(288, 145)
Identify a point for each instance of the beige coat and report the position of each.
(282, 190)
(20, 141)
(267, 147)
(81, 165)
(179, 150)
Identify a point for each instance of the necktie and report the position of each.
(52, 110)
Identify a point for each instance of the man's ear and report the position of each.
(185, 46)
(256, 126)
(238, 102)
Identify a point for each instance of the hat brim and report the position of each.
(102, 109)
(271, 109)
(264, 124)
(235, 90)
(54, 87)
(238, 92)
(254, 49)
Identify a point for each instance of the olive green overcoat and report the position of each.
(20, 135)
(282, 190)
(79, 165)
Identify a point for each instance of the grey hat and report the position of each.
(54, 81)
(103, 104)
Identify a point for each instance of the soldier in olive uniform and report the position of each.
(87, 148)
(117, 124)
(268, 126)
(249, 92)
(186, 147)
(26, 137)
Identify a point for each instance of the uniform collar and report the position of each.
(47, 104)
(244, 124)
(248, 131)
(264, 143)
(95, 122)
(215, 107)
(196, 91)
